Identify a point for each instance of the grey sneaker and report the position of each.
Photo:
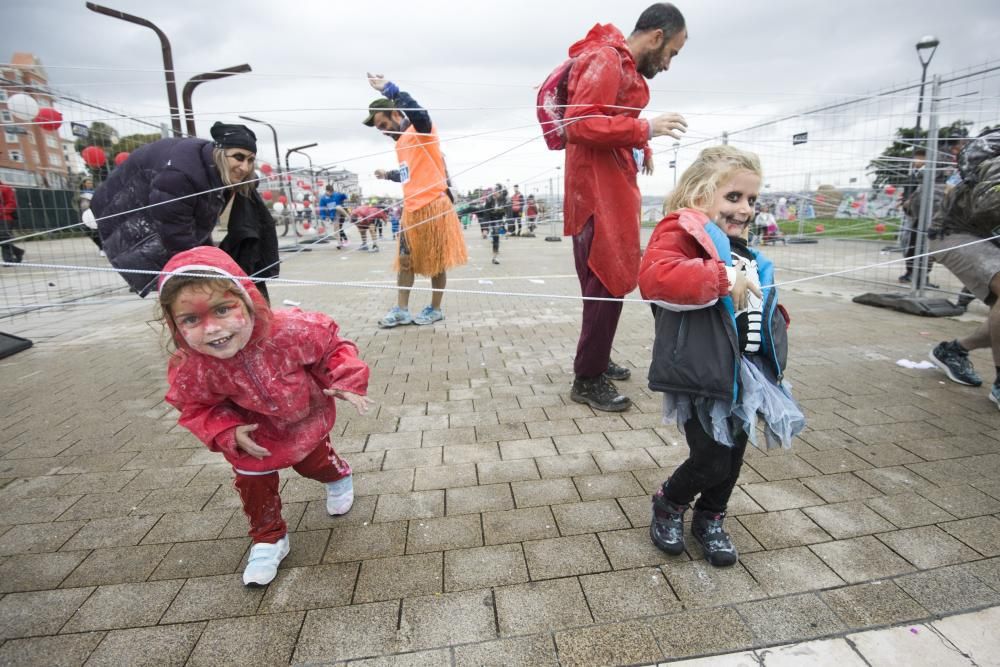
(395, 317)
(428, 315)
(714, 540)
(995, 394)
(666, 529)
(954, 361)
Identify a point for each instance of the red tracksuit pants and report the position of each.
(259, 491)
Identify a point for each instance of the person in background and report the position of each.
(12, 254)
(430, 239)
(171, 194)
(607, 146)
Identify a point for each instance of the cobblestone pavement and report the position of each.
(497, 522)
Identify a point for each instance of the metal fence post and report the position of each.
(927, 193)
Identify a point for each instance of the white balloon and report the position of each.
(278, 207)
(782, 200)
(23, 107)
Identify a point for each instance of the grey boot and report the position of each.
(667, 527)
(714, 540)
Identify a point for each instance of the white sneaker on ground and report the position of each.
(262, 565)
(340, 496)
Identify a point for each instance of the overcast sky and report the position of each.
(475, 65)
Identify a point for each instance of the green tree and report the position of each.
(102, 135)
(129, 143)
(892, 167)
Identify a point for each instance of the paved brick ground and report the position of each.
(496, 521)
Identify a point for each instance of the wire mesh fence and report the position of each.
(838, 176)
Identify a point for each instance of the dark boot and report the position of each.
(667, 527)
(616, 372)
(600, 394)
(714, 540)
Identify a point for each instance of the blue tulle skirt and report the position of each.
(762, 397)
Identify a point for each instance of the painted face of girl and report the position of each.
(213, 322)
(732, 208)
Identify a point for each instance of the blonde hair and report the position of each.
(244, 187)
(712, 168)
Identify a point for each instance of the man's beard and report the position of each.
(649, 63)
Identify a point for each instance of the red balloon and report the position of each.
(856, 204)
(49, 119)
(94, 157)
(820, 199)
(121, 157)
(306, 204)
(880, 228)
(320, 183)
(267, 195)
(282, 199)
(305, 225)
(306, 186)
(890, 190)
(300, 183)
(820, 228)
(266, 169)
(321, 230)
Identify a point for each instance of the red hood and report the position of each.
(599, 37)
(208, 259)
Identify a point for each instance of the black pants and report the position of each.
(495, 235)
(711, 470)
(11, 253)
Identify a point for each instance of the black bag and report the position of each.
(984, 147)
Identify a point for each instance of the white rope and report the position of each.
(533, 295)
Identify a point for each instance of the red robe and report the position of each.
(600, 167)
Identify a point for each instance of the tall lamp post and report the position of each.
(168, 58)
(301, 151)
(288, 171)
(201, 78)
(926, 42)
(277, 151)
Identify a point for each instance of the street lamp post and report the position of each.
(301, 151)
(277, 152)
(201, 78)
(168, 58)
(288, 172)
(926, 42)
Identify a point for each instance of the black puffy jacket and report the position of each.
(178, 181)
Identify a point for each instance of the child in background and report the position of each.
(259, 387)
(720, 348)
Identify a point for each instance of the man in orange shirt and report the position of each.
(430, 235)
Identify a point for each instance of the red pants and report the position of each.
(259, 492)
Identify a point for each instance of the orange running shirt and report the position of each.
(421, 168)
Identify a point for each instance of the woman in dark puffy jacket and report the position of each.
(169, 196)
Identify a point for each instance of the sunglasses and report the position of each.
(241, 157)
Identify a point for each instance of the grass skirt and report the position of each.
(434, 238)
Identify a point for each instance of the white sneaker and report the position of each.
(263, 563)
(340, 496)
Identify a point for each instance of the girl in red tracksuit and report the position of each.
(259, 387)
(721, 345)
